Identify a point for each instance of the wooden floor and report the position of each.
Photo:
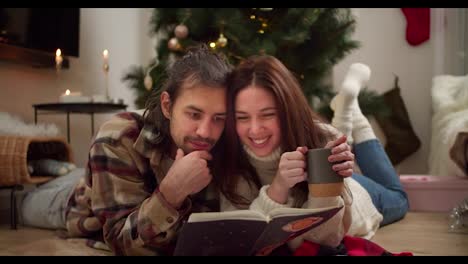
(423, 234)
(419, 233)
(26, 241)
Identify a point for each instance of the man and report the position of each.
(145, 174)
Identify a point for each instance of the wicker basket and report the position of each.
(15, 151)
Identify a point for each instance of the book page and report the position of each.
(228, 215)
(279, 212)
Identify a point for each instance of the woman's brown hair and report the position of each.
(297, 122)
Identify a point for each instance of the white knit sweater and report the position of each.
(359, 217)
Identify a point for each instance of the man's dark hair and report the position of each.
(199, 66)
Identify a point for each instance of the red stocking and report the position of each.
(418, 25)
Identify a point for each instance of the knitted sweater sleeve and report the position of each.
(331, 232)
(264, 204)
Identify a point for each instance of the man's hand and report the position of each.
(341, 152)
(291, 170)
(188, 175)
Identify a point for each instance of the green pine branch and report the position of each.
(309, 41)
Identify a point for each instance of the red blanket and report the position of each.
(350, 246)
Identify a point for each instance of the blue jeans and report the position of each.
(381, 181)
(46, 206)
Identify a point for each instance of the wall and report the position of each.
(123, 31)
(384, 48)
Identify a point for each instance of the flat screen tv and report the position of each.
(33, 35)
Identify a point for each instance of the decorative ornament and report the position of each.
(418, 25)
(173, 44)
(181, 31)
(222, 40)
(148, 82)
(212, 45)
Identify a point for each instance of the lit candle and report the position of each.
(58, 58)
(73, 97)
(71, 94)
(105, 55)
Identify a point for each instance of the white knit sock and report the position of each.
(342, 118)
(362, 129)
(345, 101)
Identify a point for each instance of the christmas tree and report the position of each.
(309, 41)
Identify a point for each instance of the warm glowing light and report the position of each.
(58, 59)
(105, 54)
(212, 45)
(67, 92)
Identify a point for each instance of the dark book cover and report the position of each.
(244, 232)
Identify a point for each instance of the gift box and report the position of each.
(434, 193)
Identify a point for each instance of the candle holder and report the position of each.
(58, 68)
(106, 79)
(58, 65)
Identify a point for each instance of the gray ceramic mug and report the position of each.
(323, 180)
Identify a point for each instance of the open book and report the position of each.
(246, 232)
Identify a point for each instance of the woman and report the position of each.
(269, 128)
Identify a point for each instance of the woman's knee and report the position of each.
(397, 211)
(404, 203)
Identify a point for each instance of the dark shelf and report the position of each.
(77, 108)
(31, 57)
(83, 108)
